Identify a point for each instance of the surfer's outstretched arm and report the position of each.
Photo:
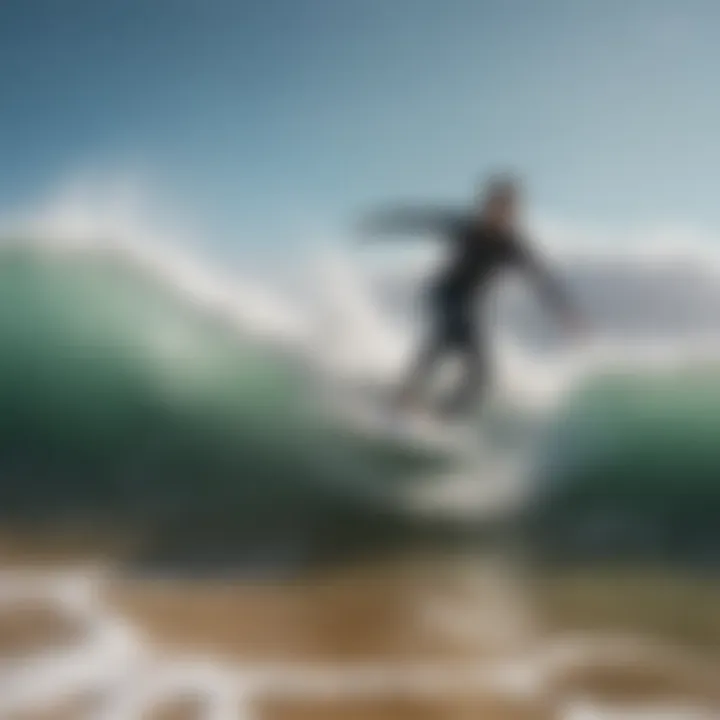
(548, 286)
(408, 220)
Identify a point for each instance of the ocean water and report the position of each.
(145, 394)
(141, 391)
(631, 467)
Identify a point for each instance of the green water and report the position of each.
(125, 398)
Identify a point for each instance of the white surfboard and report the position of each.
(379, 418)
(493, 489)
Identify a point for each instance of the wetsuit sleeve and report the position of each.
(551, 290)
(409, 220)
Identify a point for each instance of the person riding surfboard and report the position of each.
(482, 242)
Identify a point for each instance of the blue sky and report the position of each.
(264, 118)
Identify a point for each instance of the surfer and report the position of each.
(482, 242)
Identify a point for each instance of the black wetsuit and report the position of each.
(478, 251)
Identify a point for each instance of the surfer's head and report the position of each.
(499, 200)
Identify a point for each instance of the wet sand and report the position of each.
(411, 638)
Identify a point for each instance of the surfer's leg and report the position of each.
(470, 391)
(471, 388)
(476, 377)
(439, 334)
(408, 394)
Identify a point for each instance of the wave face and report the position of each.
(126, 399)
